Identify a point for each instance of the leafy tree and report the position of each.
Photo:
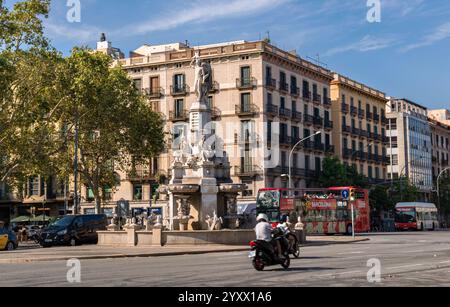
(335, 173)
(117, 129)
(379, 198)
(403, 191)
(26, 83)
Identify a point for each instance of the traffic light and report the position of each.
(352, 195)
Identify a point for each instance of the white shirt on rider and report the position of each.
(263, 232)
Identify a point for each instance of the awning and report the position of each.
(41, 218)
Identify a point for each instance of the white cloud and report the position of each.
(367, 43)
(72, 32)
(439, 34)
(198, 12)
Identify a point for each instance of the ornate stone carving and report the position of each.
(214, 222)
(203, 78)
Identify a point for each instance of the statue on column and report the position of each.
(203, 78)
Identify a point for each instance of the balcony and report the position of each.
(345, 108)
(377, 137)
(369, 116)
(318, 121)
(329, 124)
(384, 120)
(178, 116)
(363, 134)
(376, 118)
(353, 111)
(327, 102)
(319, 147)
(286, 113)
(248, 171)
(385, 139)
(361, 113)
(246, 110)
(386, 160)
(140, 173)
(311, 174)
(284, 87)
(246, 84)
(179, 90)
(330, 149)
(275, 171)
(154, 93)
(308, 119)
(272, 110)
(346, 129)
(297, 116)
(271, 84)
(317, 99)
(307, 96)
(308, 145)
(347, 153)
(444, 162)
(285, 140)
(215, 88)
(295, 91)
(356, 131)
(298, 172)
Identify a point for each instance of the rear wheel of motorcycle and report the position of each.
(258, 264)
(286, 263)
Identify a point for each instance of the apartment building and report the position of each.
(442, 116)
(264, 100)
(359, 115)
(410, 147)
(440, 138)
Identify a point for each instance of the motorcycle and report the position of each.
(262, 256)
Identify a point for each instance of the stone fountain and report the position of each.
(201, 186)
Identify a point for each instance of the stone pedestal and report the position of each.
(113, 227)
(131, 237)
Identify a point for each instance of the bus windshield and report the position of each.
(405, 216)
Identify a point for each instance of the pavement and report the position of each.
(30, 252)
(405, 259)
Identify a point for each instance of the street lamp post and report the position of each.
(292, 153)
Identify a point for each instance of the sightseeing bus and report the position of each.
(416, 216)
(322, 211)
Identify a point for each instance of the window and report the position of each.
(307, 163)
(35, 187)
(282, 103)
(269, 131)
(245, 102)
(137, 192)
(137, 84)
(294, 106)
(343, 99)
(210, 103)
(269, 99)
(282, 78)
(377, 173)
(325, 93)
(394, 141)
(179, 82)
(179, 107)
(370, 172)
(315, 90)
(245, 75)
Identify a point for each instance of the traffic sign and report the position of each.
(345, 194)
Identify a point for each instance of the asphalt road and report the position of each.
(407, 259)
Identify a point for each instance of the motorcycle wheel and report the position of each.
(286, 263)
(258, 264)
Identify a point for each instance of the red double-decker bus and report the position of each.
(323, 211)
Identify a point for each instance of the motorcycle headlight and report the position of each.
(62, 232)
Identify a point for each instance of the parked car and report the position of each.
(8, 240)
(73, 230)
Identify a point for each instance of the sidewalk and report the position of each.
(32, 253)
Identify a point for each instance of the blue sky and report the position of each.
(405, 55)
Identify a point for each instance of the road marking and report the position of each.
(351, 253)
(405, 266)
(335, 274)
(444, 262)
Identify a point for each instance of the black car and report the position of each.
(74, 230)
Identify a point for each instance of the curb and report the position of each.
(160, 254)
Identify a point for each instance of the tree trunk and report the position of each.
(98, 205)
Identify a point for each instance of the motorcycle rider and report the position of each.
(264, 235)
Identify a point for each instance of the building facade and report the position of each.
(359, 116)
(263, 101)
(410, 146)
(442, 116)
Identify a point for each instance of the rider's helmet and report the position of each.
(262, 217)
